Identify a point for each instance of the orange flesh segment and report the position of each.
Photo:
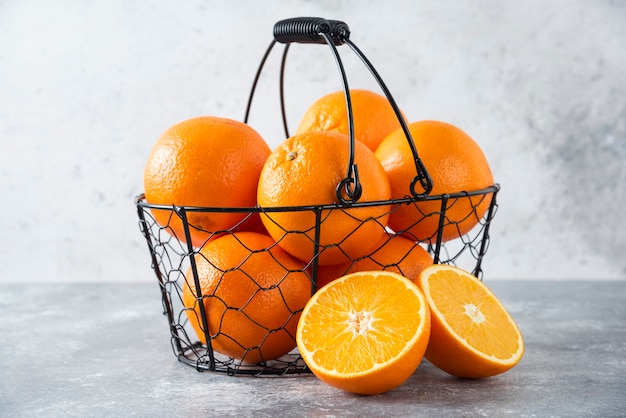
(474, 316)
(362, 327)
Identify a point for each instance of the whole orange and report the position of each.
(253, 293)
(373, 116)
(305, 170)
(456, 164)
(392, 253)
(204, 161)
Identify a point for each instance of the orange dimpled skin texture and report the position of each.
(456, 164)
(373, 116)
(252, 292)
(392, 253)
(305, 170)
(205, 161)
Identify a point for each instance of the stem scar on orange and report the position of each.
(365, 332)
(205, 161)
(305, 170)
(456, 164)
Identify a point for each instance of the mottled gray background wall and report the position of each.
(86, 88)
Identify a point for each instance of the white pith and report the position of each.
(474, 313)
(359, 323)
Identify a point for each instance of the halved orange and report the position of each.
(472, 335)
(365, 332)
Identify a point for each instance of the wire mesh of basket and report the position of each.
(197, 335)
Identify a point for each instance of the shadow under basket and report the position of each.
(174, 254)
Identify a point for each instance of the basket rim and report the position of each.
(141, 202)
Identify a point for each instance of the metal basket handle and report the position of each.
(315, 30)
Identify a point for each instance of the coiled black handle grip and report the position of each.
(310, 30)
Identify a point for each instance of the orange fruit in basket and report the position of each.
(204, 161)
(253, 293)
(473, 335)
(456, 164)
(373, 116)
(306, 170)
(365, 332)
(251, 223)
(392, 253)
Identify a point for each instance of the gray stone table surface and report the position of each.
(91, 350)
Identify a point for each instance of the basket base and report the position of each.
(198, 357)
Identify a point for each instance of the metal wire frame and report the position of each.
(334, 33)
(172, 255)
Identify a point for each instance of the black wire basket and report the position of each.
(175, 258)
